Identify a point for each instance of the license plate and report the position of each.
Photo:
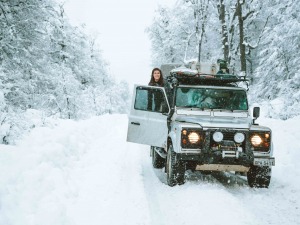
(264, 162)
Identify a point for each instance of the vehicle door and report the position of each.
(147, 122)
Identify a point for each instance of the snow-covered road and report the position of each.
(85, 173)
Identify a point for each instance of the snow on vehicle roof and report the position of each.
(184, 70)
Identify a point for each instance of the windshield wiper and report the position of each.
(223, 109)
(205, 108)
(189, 106)
(226, 109)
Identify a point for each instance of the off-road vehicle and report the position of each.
(202, 123)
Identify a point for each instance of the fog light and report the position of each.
(218, 136)
(239, 137)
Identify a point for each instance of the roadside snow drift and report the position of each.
(85, 173)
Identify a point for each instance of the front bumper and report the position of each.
(217, 162)
(219, 157)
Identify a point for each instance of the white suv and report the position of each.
(201, 122)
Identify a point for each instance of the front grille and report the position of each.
(228, 140)
(229, 136)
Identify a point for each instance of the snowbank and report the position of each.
(79, 173)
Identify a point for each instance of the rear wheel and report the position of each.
(175, 169)
(157, 161)
(259, 177)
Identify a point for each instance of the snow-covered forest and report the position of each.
(64, 157)
(257, 38)
(49, 68)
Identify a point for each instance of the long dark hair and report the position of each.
(160, 82)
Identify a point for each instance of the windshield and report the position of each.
(211, 98)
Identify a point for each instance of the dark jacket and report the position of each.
(155, 98)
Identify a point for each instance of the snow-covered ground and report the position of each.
(85, 173)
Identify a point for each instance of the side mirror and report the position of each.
(256, 111)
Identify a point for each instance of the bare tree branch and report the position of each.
(248, 14)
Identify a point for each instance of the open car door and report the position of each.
(147, 122)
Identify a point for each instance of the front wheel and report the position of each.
(259, 177)
(175, 169)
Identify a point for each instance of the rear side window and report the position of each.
(150, 99)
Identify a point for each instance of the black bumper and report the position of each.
(216, 158)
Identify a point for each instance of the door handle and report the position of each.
(135, 123)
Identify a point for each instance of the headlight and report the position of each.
(193, 137)
(239, 137)
(261, 141)
(256, 140)
(218, 136)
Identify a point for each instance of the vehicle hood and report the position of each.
(217, 121)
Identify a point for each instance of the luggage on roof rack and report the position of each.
(188, 76)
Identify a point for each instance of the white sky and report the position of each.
(121, 33)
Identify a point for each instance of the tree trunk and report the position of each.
(241, 29)
(202, 18)
(200, 42)
(225, 42)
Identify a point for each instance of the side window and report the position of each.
(141, 99)
(150, 99)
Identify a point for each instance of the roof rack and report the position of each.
(193, 77)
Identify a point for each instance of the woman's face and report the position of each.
(156, 75)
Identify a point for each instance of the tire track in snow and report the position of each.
(152, 183)
(201, 199)
(111, 192)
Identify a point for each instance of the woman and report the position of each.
(155, 97)
(156, 78)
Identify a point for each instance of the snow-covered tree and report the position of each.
(259, 38)
(184, 32)
(49, 66)
(276, 75)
